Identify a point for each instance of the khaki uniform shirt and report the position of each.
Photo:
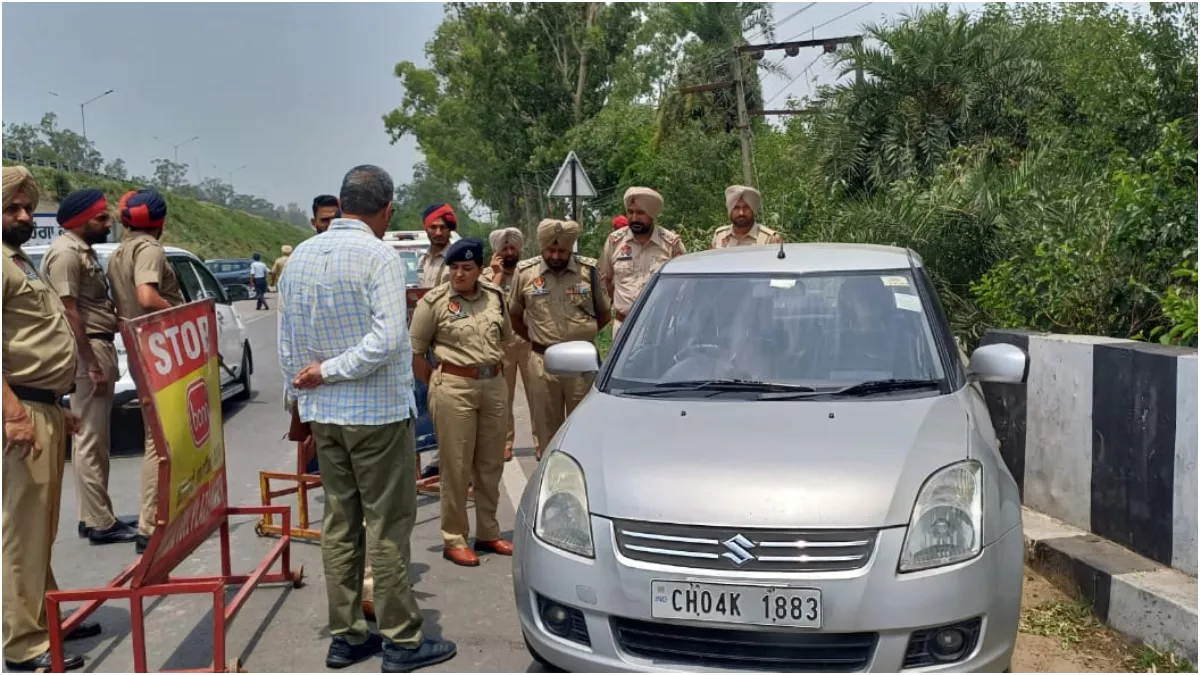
(629, 264)
(432, 270)
(277, 269)
(39, 349)
(759, 235)
(559, 307)
(463, 330)
(140, 259)
(509, 275)
(73, 271)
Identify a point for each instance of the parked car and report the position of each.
(196, 282)
(802, 479)
(234, 275)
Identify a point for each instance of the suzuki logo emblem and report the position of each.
(738, 552)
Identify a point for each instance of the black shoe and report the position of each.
(42, 662)
(83, 530)
(119, 533)
(84, 631)
(128, 521)
(397, 659)
(142, 542)
(342, 653)
(429, 471)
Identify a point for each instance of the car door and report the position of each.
(197, 284)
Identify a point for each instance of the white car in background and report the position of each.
(411, 245)
(196, 282)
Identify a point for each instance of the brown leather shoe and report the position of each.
(497, 546)
(461, 555)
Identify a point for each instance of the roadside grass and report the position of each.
(208, 230)
(604, 341)
(1076, 628)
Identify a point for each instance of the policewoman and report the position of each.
(465, 322)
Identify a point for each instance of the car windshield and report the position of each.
(410, 259)
(824, 332)
(229, 266)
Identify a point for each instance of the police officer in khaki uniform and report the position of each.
(39, 367)
(506, 253)
(632, 253)
(74, 273)
(279, 264)
(144, 282)
(744, 204)
(557, 297)
(466, 323)
(439, 221)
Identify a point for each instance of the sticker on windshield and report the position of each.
(783, 283)
(895, 281)
(908, 302)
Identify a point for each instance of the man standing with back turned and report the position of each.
(344, 347)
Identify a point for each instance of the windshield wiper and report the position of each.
(862, 389)
(715, 387)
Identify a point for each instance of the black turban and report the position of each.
(81, 206)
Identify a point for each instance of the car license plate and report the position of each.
(727, 603)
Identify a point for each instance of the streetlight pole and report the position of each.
(180, 145)
(230, 173)
(83, 117)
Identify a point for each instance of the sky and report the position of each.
(294, 92)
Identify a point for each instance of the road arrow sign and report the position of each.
(572, 181)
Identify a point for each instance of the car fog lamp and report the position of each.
(556, 618)
(948, 644)
(947, 518)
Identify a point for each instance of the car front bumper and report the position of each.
(875, 599)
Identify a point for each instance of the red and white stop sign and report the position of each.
(198, 412)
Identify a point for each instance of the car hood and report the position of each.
(836, 464)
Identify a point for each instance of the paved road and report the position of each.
(283, 629)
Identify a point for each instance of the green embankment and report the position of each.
(208, 230)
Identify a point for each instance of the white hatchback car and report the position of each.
(197, 283)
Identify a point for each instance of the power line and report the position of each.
(794, 78)
(760, 32)
(839, 16)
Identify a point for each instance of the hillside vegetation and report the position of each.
(208, 230)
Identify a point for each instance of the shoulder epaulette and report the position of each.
(592, 262)
(617, 234)
(764, 228)
(489, 286)
(723, 228)
(436, 293)
(528, 262)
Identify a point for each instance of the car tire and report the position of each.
(244, 380)
(550, 667)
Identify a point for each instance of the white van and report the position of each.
(411, 245)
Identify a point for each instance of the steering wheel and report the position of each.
(701, 347)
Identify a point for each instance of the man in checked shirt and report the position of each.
(344, 348)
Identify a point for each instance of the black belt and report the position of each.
(538, 348)
(107, 337)
(34, 395)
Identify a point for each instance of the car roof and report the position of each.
(217, 260)
(107, 248)
(798, 259)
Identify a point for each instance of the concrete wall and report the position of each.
(1102, 436)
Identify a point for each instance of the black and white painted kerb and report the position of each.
(1102, 438)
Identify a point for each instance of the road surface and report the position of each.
(284, 629)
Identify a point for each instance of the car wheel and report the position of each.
(550, 667)
(244, 380)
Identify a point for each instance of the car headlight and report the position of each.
(562, 506)
(947, 519)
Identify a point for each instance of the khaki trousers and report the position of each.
(32, 492)
(90, 455)
(150, 462)
(469, 418)
(516, 358)
(555, 399)
(368, 475)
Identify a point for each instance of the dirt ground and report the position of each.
(1058, 635)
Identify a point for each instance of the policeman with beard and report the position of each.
(74, 273)
(631, 254)
(39, 367)
(557, 297)
(506, 253)
(744, 204)
(439, 221)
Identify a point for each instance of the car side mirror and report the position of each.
(572, 359)
(1002, 363)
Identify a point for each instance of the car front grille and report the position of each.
(725, 548)
(733, 649)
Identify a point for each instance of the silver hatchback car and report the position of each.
(783, 466)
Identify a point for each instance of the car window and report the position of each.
(229, 267)
(208, 282)
(410, 258)
(822, 331)
(188, 280)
